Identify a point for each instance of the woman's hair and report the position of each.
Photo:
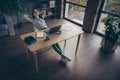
(42, 13)
(34, 10)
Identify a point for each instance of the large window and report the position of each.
(111, 7)
(75, 10)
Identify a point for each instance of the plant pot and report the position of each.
(108, 46)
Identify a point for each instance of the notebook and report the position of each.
(29, 40)
(39, 35)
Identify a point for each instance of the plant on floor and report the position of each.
(12, 7)
(18, 7)
(112, 29)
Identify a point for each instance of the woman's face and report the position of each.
(36, 13)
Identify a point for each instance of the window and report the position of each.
(111, 7)
(81, 2)
(75, 10)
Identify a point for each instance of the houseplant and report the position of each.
(112, 33)
(11, 8)
(18, 8)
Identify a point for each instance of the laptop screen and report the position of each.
(53, 30)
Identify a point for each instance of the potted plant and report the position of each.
(112, 33)
(12, 7)
(18, 8)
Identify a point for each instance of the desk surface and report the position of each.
(67, 32)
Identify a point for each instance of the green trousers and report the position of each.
(57, 48)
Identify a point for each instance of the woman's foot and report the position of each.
(65, 59)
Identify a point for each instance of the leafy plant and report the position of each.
(18, 7)
(12, 7)
(112, 26)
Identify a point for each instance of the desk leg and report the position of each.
(68, 59)
(35, 59)
(64, 47)
(27, 52)
(77, 43)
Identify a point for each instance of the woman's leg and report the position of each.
(59, 51)
(57, 48)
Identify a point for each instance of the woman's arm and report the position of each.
(27, 18)
(42, 14)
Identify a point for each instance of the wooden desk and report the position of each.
(67, 33)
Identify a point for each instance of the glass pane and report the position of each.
(101, 25)
(82, 2)
(112, 6)
(75, 13)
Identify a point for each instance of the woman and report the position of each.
(39, 24)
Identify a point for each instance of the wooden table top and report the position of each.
(66, 33)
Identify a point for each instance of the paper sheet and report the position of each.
(40, 34)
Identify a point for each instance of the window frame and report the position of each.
(99, 16)
(68, 2)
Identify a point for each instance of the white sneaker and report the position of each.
(65, 57)
(64, 60)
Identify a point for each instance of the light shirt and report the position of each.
(37, 23)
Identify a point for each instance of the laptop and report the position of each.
(53, 30)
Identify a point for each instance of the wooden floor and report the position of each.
(89, 64)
